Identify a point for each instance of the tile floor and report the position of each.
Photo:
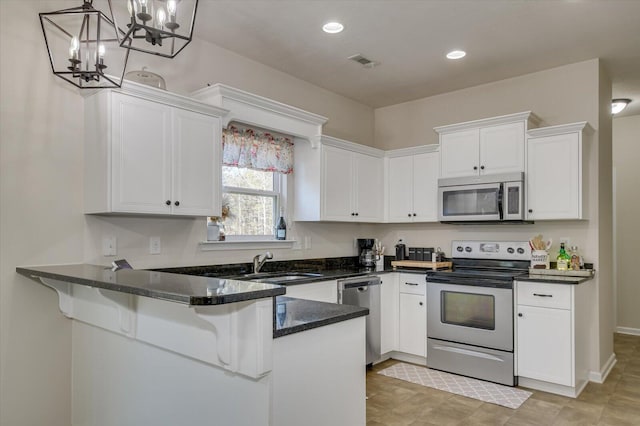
(616, 402)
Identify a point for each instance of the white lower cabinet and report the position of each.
(544, 344)
(412, 321)
(389, 312)
(552, 336)
(323, 291)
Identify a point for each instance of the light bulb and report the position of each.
(101, 51)
(161, 17)
(74, 47)
(171, 7)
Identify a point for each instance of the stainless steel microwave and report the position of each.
(488, 198)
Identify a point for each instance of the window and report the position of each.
(254, 198)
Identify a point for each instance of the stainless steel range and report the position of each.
(470, 310)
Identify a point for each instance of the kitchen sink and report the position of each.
(276, 277)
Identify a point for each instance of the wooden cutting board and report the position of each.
(420, 264)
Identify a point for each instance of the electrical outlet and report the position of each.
(154, 245)
(566, 241)
(109, 246)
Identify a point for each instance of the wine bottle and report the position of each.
(281, 228)
(563, 260)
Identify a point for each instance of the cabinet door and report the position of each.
(544, 344)
(196, 164)
(412, 326)
(502, 148)
(368, 187)
(140, 156)
(554, 177)
(400, 181)
(389, 313)
(425, 187)
(337, 184)
(459, 153)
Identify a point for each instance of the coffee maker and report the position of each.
(366, 253)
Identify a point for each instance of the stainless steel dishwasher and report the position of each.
(365, 292)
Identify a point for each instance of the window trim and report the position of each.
(279, 187)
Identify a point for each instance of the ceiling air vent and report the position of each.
(367, 63)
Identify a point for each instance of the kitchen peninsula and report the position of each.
(160, 348)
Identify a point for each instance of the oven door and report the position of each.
(470, 202)
(474, 315)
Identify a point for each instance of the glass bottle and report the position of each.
(563, 260)
(576, 259)
(281, 228)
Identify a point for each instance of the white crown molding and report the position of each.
(414, 150)
(351, 146)
(168, 98)
(528, 116)
(254, 110)
(560, 129)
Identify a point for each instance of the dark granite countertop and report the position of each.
(179, 288)
(324, 269)
(553, 279)
(293, 315)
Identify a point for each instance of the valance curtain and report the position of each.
(256, 150)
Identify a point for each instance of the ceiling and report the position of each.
(409, 39)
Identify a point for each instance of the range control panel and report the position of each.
(507, 250)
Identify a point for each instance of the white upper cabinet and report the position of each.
(151, 152)
(555, 172)
(338, 181)
(488, 146)
(412, 185)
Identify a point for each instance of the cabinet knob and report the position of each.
(356, 214)
(353, 214)
(177, 203)
(481, 167)
(520, 315)
(414, 214)
(421, 303)
(409, 214)
(530, 210)
(168, 202)
(475, 167)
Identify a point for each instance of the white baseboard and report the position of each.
(601, 376)
(628, 330)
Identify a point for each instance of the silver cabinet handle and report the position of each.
(542, 295)
(411, 283)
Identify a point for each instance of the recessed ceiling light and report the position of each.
(456, 54)
(617, 105)
(332, 27)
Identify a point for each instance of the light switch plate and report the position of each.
(154, 245)
(109, 245)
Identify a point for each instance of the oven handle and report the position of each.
(500, 201)
(468, 352)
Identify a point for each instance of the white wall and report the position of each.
(626, 158)
(576, 92)
(41, 216)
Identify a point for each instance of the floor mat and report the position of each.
(478, 389)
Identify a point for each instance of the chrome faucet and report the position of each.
(257, 263)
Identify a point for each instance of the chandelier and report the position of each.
(159, 27)
(84, 46)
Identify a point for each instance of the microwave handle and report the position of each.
(500, 201)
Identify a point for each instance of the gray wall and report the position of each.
(626, 158)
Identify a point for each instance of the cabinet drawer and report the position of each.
(544, 295)
(413, 284)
